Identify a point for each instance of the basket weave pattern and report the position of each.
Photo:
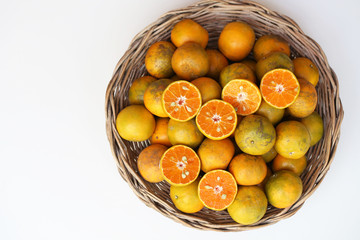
(213, 16)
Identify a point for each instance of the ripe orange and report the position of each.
(268, 175)
(216, 119)
(180, 165)
(248, 169)
(185, 133)
(158, 59)
(250, 63)
(190, 61)
(236, 71)
(283, 189)
(137, 89)
(152, 97)
(249, 206)
(215, 154)
(315, 126)
(160, 134)
(209, 88)
(186, 198)
(148, 163)
(243, 95)
(217, 189)
(217, 62)
(273, 61)
(306, 69)
(268, 44)
(279, 88)
(188, 30)
(270, 155)
(135, 123)
(273, 114)
(297, 166)
(236, 40)
(305, 103)
(181, 100)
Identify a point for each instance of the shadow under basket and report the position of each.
(214, 15)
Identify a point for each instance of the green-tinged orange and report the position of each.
(273, 114)
(273, 61)
(153, 95)
(185, 133)
(306, 69)
(270, 155)
(186, 198)
(137, 89)
(315, 126)
(158, 59)
(236, 71)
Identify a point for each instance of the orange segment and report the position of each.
(216, 119)
(279, 88)
(217, 189)
(181, 100)
(243, 95)
(180, 165)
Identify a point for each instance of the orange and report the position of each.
(255, 135)
(148, 163)
(181, 100)
(273, 61)
(135, 123)
(249, 206)
(243, 95)
(188, 30)
(273, 114)
(270, 155)
(293, 139)
(160, 134)
(137, 89)
(268, 44)
(158, 59)
(209, 88)
(217, 62)
(180, 165)
(185, 133)
(283, 189)
(315, 126)
(305, 103)
(152, 97)
(216, 119)
(306, 69)
(236, 71)
(248, 169)
(186, 198)
(215, 154)
(190, 61)
(236, 40)
(250, 63)
(295, 165)
(217, 189)
(279, 88)
(268, 175)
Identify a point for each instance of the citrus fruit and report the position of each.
(283, 189)
(315, 126)
(216, 119)
(217, 189)
(185, 133)
(209, 88)
(236, 40)
(188, 30)
(137, 89)
(243, 95)
(248, 169)
(273, 114)
(250, 63)
(215, 154)
(249, 206)
(279, 88)
(135, 123)
(268, 175)
(160, 134)
(255, 135)
(293, 139)
(305, 103)
(217, 62)
(181, 100)
(306, 69)
(186, 198)
(236, 71)
(239, 119)
(148, 163)
(273, 61)
(297, 166)
(268, 44)
(180, 165)
(270, 155)
(190, 61)
(158, 59)
(153, 95)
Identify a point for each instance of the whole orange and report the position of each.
(158, 59)
(295, 165)
(137, 89)
(273, 61)
(315, 126)
(185, 133)
(148, 163)
(217, 62)
(153, 94)
(268, 44)
(236, 71)
(188, 30)
(160, 134)
(209, 88)
(306, 69)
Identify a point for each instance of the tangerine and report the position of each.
(273, 114)
(295, 165)
(158, 59)
(148, 163)
(153, 95)
(137, 89)
(306, 69)
(185, 133)
(236, 71)
(188, 30)
(186, 198)
(160, 134)
(315, 126)
(268, 44)
(209, 88)
(217, 62)
(273, 61)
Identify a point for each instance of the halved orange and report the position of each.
(216, 119)
(180, 165)
(279, 88)
(243, 95)
(217, 189)
(181, 100)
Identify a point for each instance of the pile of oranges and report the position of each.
(230, 127)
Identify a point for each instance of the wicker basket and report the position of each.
(213, 15)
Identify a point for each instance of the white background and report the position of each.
(58, 179)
